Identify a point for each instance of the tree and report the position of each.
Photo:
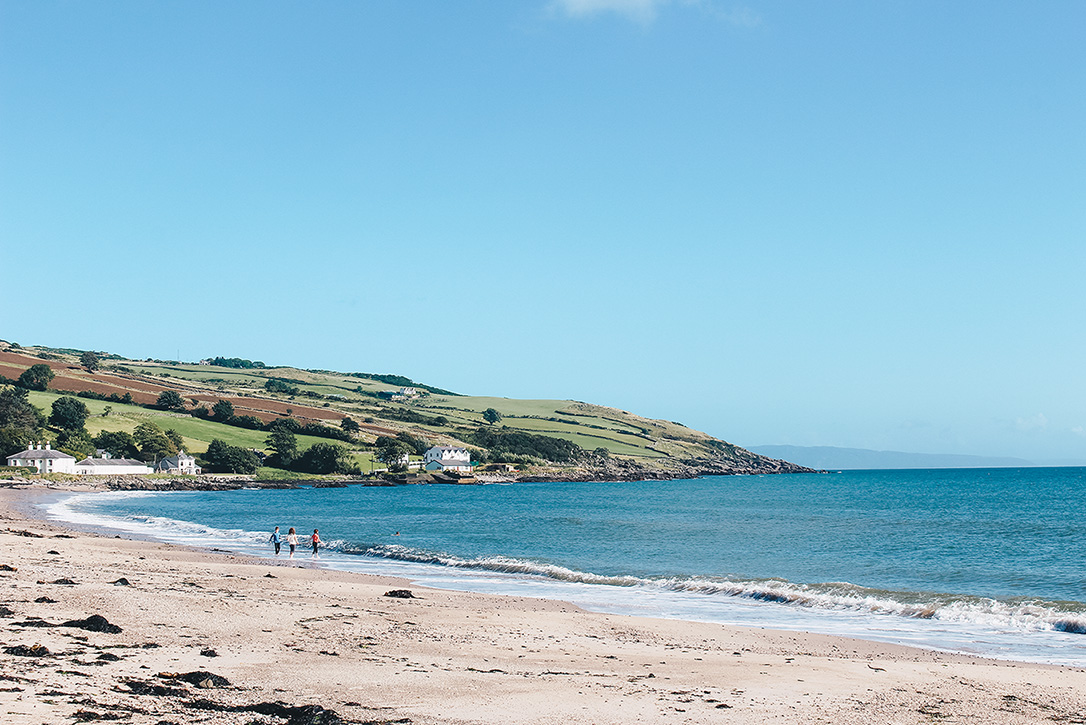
(89, 360)
(76, 443)
(285, 445)
(323, 458)
(36, 377)
(175, 438)
(153, 442)
(492, 416)
(349, 425)
(13, 440)
(118, 444)
(16, 411)
(222, 411)
(170, 400)
(391, 452)
(224, 458)
(69, 413)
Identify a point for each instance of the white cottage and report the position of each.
(111, 467)
(181, 463)
(44, 459)
(447, 458)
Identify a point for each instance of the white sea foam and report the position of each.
(1025, 630)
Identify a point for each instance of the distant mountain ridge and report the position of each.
(829, 457)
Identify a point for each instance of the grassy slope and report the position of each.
(197, 433)
(589, 426)
(460, 410)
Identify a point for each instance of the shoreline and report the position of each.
(320, 637)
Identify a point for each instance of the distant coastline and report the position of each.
(833, 458)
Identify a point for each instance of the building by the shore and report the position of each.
(182, 463)
(44, 459)
(447, 458)
(112, 467)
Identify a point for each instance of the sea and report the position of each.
(987, 562)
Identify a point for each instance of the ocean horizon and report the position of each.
(979, 561)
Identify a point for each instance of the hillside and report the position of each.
(608, 443)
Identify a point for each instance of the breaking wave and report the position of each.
(1023, 615)
(1019, 615)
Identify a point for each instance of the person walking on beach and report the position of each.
(292, 541)
(316, 541)
(276, 540)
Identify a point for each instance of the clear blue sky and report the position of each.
(848, 223)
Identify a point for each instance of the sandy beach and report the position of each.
(100, 628)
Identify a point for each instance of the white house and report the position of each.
(181, 463)
(447, 458)
(111, 467)
(44, 459)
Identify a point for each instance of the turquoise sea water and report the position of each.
(987, 561)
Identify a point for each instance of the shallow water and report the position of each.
(985, 561)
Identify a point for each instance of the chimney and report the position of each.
(30, 446)
(46, 446)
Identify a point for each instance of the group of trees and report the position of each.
(20, 421)
(277, 385)
(318, 458)
(506, 446)
(221, 457)
(237, 363)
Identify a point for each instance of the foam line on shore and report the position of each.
(966, 624)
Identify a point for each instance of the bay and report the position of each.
(985, 561)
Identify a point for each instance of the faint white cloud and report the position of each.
(1034, 422)
(740, 17)
(645, 11)
(1079, 431)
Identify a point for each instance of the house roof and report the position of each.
(450, 449)
(110, 462)
(39, 454)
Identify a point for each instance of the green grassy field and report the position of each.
(197, 433)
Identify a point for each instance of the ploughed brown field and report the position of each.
(74, 379)
(25, 361)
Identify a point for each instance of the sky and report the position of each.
(845, 223)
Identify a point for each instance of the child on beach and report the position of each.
(276, 540)
(316, 541)
(292, 541)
